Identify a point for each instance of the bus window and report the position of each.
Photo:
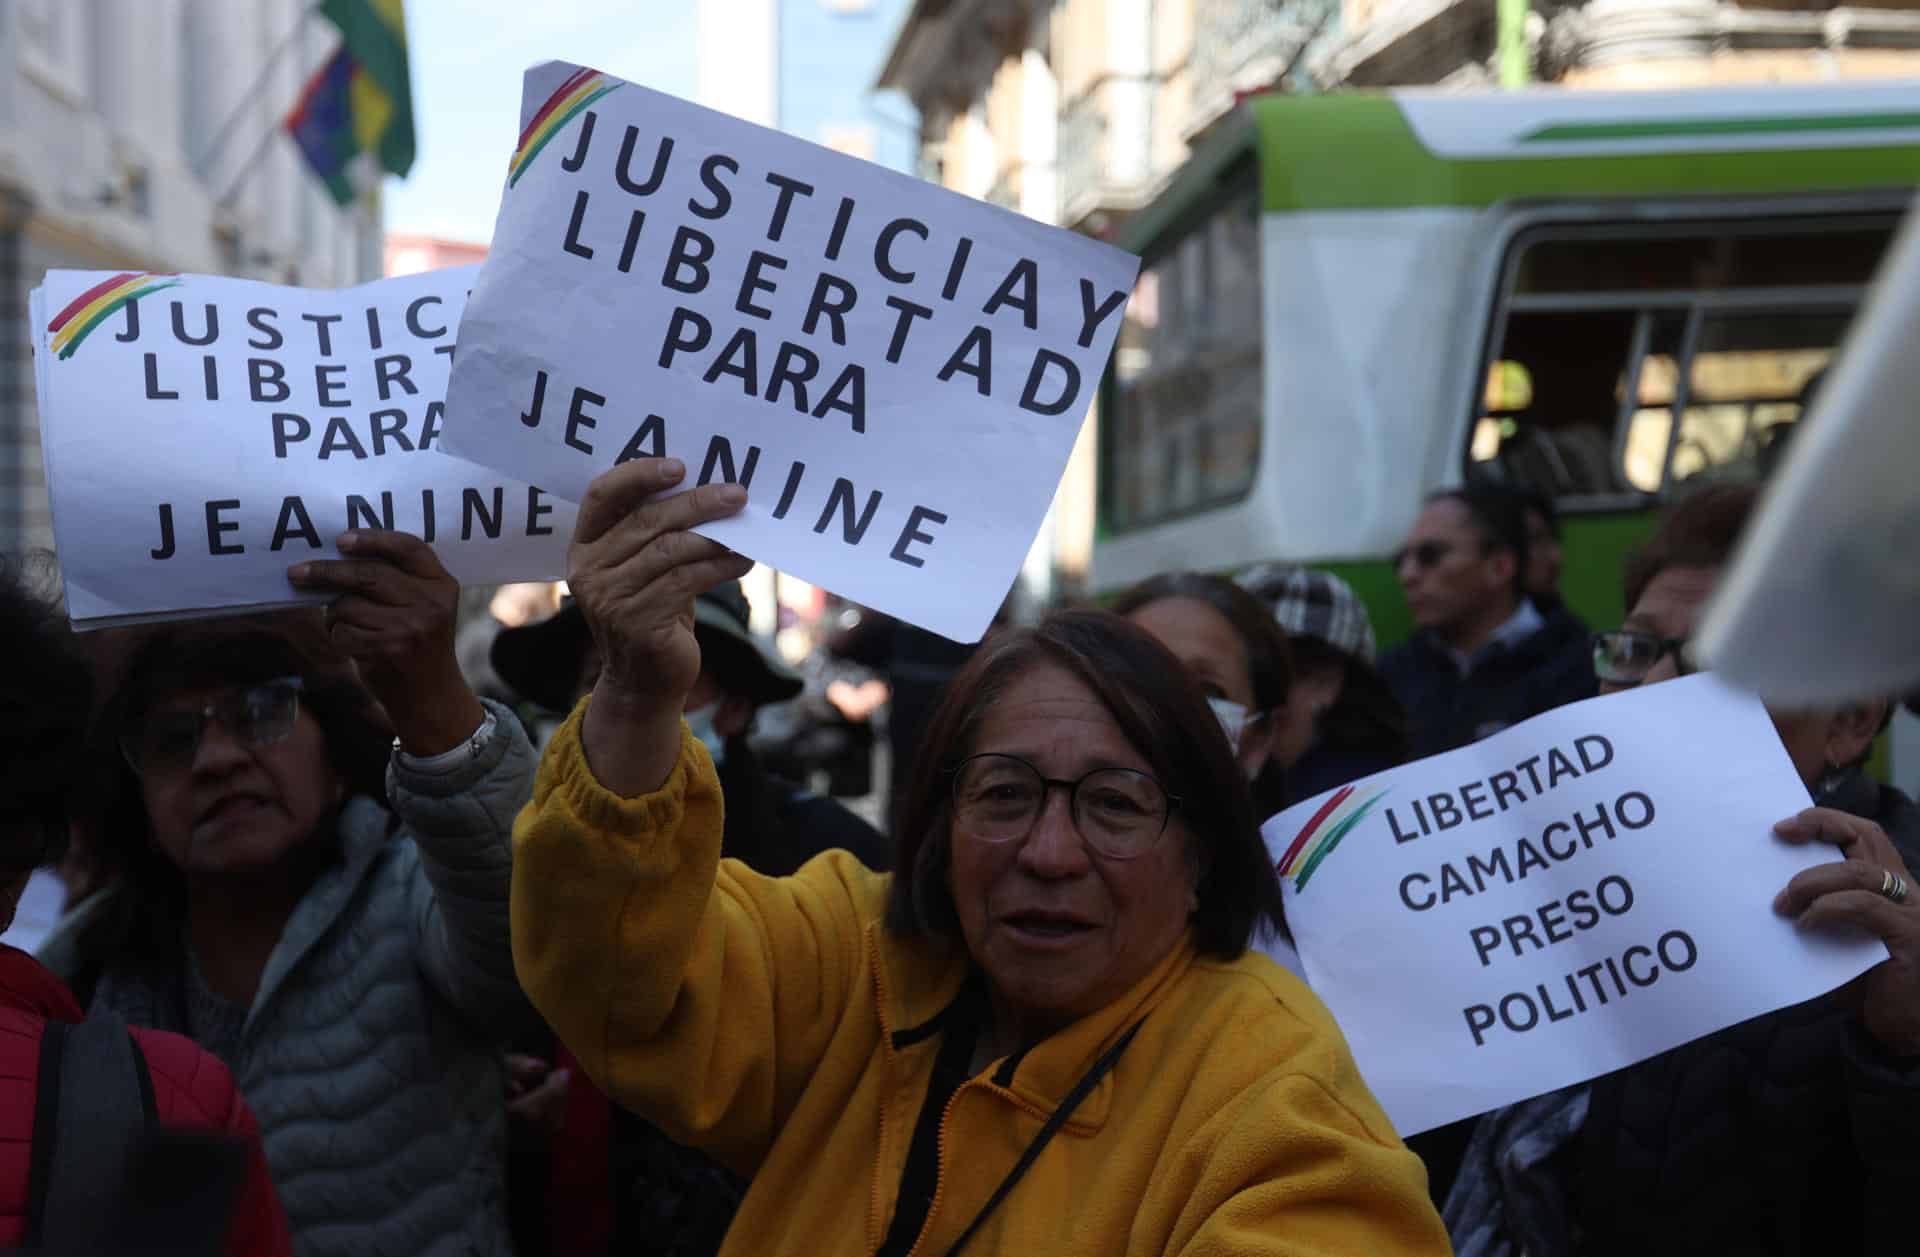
(1654, 353)
(1184, 431)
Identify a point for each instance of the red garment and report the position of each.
(190, 1088)
(580, 1182)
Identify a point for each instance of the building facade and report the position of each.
(1621, 44)
(145, 137)
(1079, 111)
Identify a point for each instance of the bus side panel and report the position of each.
(1596, 549)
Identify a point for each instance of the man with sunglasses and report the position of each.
(1793, 1133)
(1483, 656)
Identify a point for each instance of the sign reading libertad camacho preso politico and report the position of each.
(1570, 896)
(203, 434)
(897, 373)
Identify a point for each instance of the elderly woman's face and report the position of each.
(1059, 929)
(237, 804)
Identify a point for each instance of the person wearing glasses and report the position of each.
(1483, 656)
(1043, 1034)
(44, 1079)
(1792, 1133)
(1236, 654)
(318, 902)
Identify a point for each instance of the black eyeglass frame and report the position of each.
(1047, 786)
(221, 710)
(1681, 648)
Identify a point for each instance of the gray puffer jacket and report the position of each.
(372, 1053)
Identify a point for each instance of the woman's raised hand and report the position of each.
(634, 570)
(394, 617)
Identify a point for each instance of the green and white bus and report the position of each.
(1350, 301)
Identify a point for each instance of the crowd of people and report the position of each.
(420, 988)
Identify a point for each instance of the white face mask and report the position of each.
(1232, 717)
(701, 723)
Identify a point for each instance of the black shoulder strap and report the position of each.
(95, 1100)
(1058, 1118)
(46, 1117)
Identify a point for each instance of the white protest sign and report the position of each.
(896, 372)
(1572, 895)
(203, 434)
(1830, 557)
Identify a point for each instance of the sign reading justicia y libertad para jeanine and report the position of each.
(203, 434)
(896, 372)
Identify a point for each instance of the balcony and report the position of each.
(1106, 149)
(1246, 45)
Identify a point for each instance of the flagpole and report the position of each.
(249, 166)
(220, 138)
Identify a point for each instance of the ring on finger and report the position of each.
(1893, 886)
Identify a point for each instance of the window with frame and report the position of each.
(51, 40)
(1627, 359)
(1183, 431)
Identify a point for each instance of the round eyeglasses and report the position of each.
(1120, 813)
(167, 741)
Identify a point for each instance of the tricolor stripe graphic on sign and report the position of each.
(581, 89)
(1322, 833)
(94, 306)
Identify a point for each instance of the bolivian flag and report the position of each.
(360, 101)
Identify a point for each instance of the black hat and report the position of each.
(542, 661)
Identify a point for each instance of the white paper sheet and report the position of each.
(900, 370)
(1823, 602)
(1570, 896)
(256, 440)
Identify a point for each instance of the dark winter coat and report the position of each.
(1794, 1133)
(1506, 685)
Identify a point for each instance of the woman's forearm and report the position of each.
(630, 746)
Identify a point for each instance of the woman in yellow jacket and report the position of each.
(1044, 1035)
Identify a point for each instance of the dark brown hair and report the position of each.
(142, 929)
(1367, 716)
(1501, 516)
(1701, 530)
(43, 722)
(1161, 714)
(1269, 654)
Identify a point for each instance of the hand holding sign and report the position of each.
(635, 570)
(1848, 894)
(394, 617)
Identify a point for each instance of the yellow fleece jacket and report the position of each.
(778, 1025)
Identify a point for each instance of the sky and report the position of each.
(466, 60)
